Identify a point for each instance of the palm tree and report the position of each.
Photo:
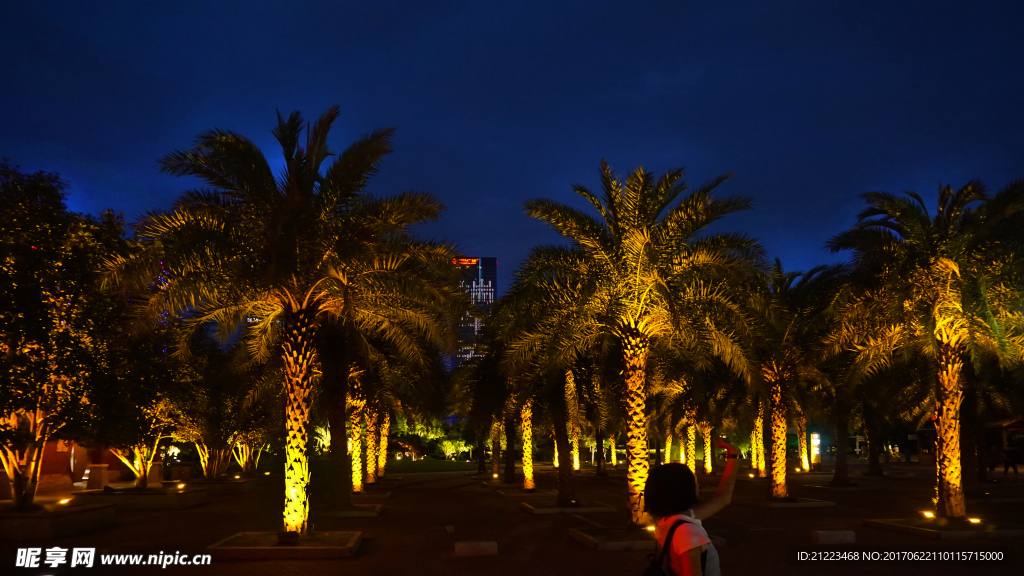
(792, 325)
(274, 255)
(640, 272)
(948, 286)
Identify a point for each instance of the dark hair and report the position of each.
(671, 489)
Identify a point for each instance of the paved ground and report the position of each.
(428, 513)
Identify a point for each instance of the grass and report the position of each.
(427, 464)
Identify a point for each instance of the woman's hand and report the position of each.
(729, 448)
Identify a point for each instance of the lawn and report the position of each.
(427, 464)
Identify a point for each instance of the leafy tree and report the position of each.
(50, 312)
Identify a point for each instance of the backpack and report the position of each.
(658, 567)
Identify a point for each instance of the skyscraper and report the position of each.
(480, 280)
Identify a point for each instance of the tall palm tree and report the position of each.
(644, 270)
(948, 285)
(795, 303)
(274, 255)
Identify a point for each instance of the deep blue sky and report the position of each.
(809, 103)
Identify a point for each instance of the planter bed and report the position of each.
(149, 499)
(264, 546)
(215, 487)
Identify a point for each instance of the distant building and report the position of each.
(480, 280)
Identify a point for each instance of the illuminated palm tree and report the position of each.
(947, 285)
(280, 256)
(640, 272)
(792, 325)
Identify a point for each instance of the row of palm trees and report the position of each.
(645, 315)
(683, 327)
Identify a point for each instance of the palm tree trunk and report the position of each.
(526, 414)
(614, 453)
(949, 393)
(510, 450)
(573, 408)
(382, 446)
(371, 445)
(599, 441)
(841, 476)
(777, 404)
(668, 447)
(801, 430)
(495, 448)
(554, 437)
(691, 446)
(297, 348)
(709, 452)
(635, 350)
(759, 440)
(356, 437)
(566, 493)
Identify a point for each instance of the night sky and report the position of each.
(808, 103)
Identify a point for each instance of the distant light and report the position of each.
(180, 486)
(650, 528)
(928, 514)
(751, 474)
(495, 475)
(974, 520)
(266, 473)
(796, 470)
(237, 476)
(65, 501)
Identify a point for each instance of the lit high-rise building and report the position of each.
(480, 280)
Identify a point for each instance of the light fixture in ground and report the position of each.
(65, 501)
(928, 515)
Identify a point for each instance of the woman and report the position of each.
(671, 497)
